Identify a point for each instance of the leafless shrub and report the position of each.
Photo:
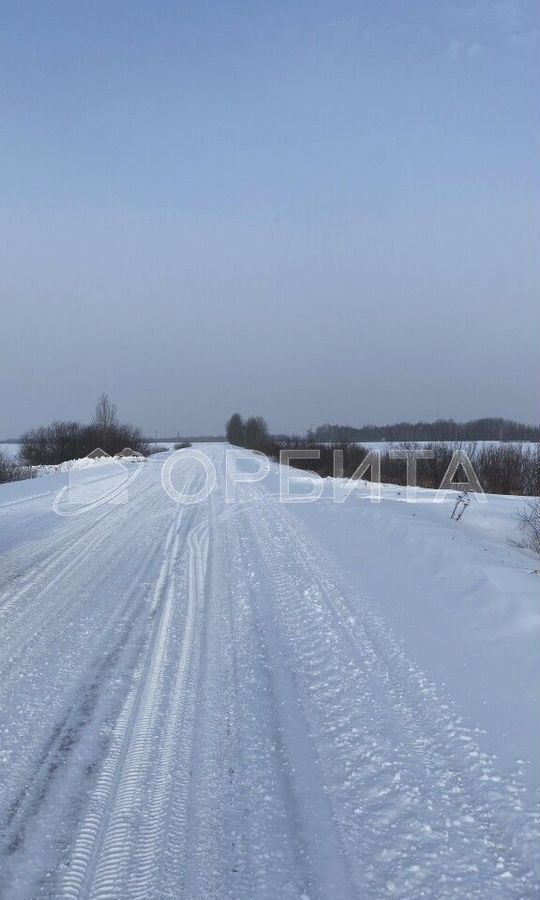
(529, 524)
(531, 473)
(12, 470)
(501, 468)
(53, 444)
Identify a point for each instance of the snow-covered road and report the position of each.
(196, 703)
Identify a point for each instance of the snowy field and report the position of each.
(257, 701)
(11, 450)
(385, 445)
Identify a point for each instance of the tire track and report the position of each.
(285, 839)
(430, 784)
(145, 877)
(53, 552)
(116, 849)
(27, 624)
(43, 771)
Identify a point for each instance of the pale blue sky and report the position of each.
(312, 211)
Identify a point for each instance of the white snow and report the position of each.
(10, 450)
(259, 701)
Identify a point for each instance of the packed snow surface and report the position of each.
(257, 700)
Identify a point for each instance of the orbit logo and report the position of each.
(98, 480)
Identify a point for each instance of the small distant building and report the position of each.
(98, 453)
(128, 453)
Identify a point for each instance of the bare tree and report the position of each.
(235, 429)
(105, 418)
(256, 431)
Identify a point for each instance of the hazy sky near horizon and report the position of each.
(313, 211)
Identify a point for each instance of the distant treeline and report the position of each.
(501, 468)
(440, 430)
(187, 439)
